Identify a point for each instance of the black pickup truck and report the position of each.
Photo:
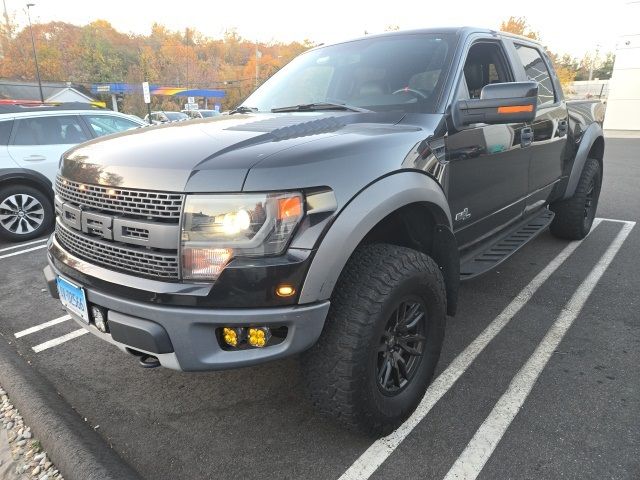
(332, 214)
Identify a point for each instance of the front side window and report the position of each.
(536, 70)
(485, 64)
(107, 124)
(50, 130)
(395, 72)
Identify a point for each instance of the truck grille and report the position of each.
(113, 199)
(111, 255)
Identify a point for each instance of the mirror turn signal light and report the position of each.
(516, 109)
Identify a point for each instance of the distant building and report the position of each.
(582, 89)
(624, 86)
(52, 91)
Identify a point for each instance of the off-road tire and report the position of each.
(340, 370)
(574, 216)
(33, 231)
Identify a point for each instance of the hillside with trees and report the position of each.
(97, 52)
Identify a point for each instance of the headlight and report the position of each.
(216, 228)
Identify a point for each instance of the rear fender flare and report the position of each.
(358, 218)
(591, 134)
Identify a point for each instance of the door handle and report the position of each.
(34, 158)
(526, 136)
(563, 127)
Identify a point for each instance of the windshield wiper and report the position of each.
(311, 107)
(243, 109)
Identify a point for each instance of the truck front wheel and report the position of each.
(381, 340)
(574, 216)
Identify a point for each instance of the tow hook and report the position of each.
(149, 361)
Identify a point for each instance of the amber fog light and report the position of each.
(233, 336)
(258, 336)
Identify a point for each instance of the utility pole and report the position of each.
(257, 65)
(186, 35)
(593, 61)
(6, 17)
(7, 27)
(35, 55)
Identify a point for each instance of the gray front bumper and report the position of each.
(191, 331)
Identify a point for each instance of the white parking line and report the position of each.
(13, 247)
(628, 222)
(57, 341)
(382, 448)
(42, 326)
(22, 251)
(481, 447)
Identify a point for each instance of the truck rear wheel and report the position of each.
(381, 341)
(574, 216)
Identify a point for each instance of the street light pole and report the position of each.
(35, 56)
(593, 61)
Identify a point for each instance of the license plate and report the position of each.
(73, 298)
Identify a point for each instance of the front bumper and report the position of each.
(184, 338)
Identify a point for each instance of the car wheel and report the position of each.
(575, 215)
(25, 213)
(381, 341)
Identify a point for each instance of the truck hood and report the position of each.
(211, 155)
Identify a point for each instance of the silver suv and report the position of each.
(32, 139)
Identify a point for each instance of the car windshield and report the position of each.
(173, 116)
(396, 72)
(208, 113)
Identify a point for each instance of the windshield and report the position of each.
(209, 113)
(399, 72)
(173, 116)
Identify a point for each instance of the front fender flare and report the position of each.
(357, 219)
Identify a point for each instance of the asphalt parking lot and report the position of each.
(539, 376)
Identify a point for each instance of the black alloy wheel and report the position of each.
(401, 347)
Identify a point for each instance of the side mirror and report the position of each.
(513, 102)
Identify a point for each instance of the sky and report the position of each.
(573, 27)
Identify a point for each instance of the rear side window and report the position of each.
(5, 131)
(50, 130)
(107, 124)
(537, 70)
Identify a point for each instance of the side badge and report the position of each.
(463, 215)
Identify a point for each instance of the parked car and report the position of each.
(201, 113)
(336, 216)
(160, 117)
(32, 139)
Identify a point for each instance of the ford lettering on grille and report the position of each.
(137, 232)
(134, 231)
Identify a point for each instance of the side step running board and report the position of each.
(501, 248)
